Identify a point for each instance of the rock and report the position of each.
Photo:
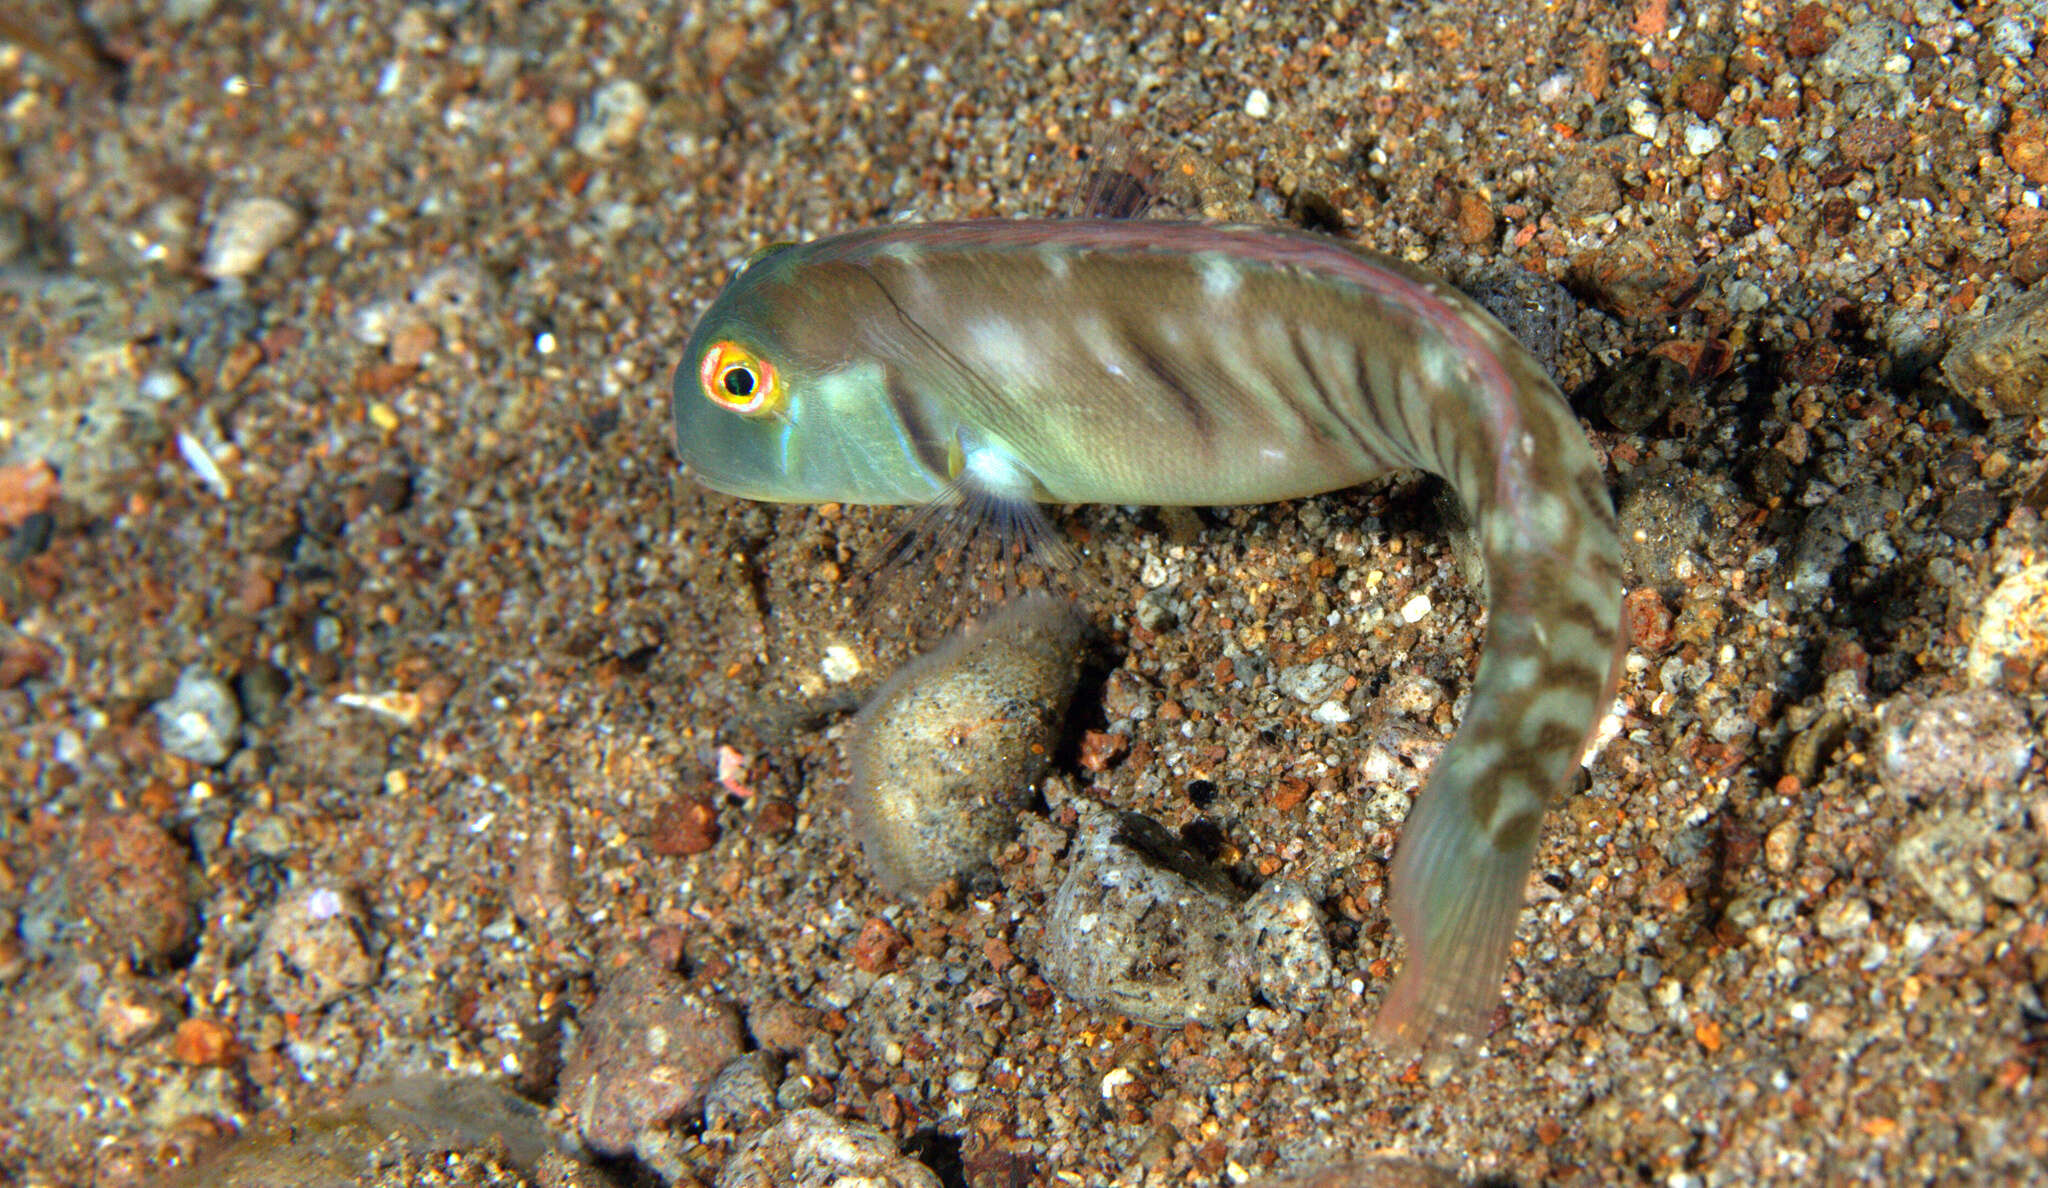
(955, 744)
(613, 118)
(1629, 1008)
(683, 826)
(245, 233)
(2001, 365)
(742, 1097)
(544, 876)
(1953, 748)
(1538, 311)
(131, 1010)
(1312, 683)
(132, 881)
(647, 1055)
(200, 720)
(812, 1149)
(416, 1116)
(1664, 517)
(1291, 953)
(1386, 1171)
(1941, 860)
(314, 950)
(1865, 51)
(1842, 919)
(2011, 625)
(1143, 927)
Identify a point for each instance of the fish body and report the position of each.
(1187, 364)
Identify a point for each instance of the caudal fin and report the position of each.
(1456, 896)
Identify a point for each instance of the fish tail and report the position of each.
(1457, 895)
(1545, 526)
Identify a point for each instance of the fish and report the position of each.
(999, 365)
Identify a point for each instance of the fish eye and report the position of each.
(735, 378)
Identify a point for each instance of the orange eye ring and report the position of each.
(733, 377)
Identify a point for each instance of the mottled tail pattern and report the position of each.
(1546, 529)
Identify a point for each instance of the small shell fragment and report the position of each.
(956, 742)
(245, 233)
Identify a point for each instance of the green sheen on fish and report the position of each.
(1016, 363)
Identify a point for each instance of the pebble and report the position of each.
(1383, 1171)
(613, 118)
(955, 744)
(133, 882)
(1954, 747)
(544, 876)
(742, 1096)
(1311, 683)
(421, 1117)
(1258, 104)
(1857, 515)
(648, 1052)
(683, 826)
(205, 1043)
(314, 949)
(1810, 31)
(2024, 145)
(324, 745)
(1841, 919)
(812, 1149)
(1647, 620)
(131, 1010)
(1285, 930)
(1781, 847)
(1664, 517)
(2001, 364)
(1940, 861)
(1640, 391)
(2011, 625)
(1970, 513)
(2013, 36)
(200, 720)
(1865, 51)
(1414, 695)
(451, 292)
(1143, 927)
(1538, 311)
(1629, 1008)
(779, 1025)
(246, 232)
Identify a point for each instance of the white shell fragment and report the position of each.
(245, 233)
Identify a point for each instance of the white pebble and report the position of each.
(613, 118)
(1331, 713)
(1701, 139)
(1415, 609)
(245, 233)
(1258, 104)
(840, 664)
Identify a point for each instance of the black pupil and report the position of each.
(739, 381)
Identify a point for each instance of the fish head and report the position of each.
(780, 397)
